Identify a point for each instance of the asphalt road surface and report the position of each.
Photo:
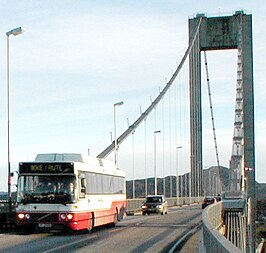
(149, 233)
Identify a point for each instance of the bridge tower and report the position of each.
(236, 162)
(217, 33)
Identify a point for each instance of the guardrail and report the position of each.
(213, 239)
(134, 205)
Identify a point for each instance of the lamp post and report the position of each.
(133, 161)
(115, 105)
(155, 172)
(145, 148)
(15, 32)
(177, 183)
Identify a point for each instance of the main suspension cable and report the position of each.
(144, 115)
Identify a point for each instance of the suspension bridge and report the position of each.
(168, 117)
(169, 137)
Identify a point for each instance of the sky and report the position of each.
(77, 58)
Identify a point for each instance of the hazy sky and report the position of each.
(77, 58)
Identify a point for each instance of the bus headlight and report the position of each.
(62, 216)
(69, 216)
(66, 216)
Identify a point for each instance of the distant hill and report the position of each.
(208, 179)
(140, 186)
(183, 183)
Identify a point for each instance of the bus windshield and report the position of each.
(46, 189)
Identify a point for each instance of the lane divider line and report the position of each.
(184, 238)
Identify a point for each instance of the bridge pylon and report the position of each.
(218, 33)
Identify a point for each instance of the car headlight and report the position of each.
(23, 216)
(144, 206)
(27, 216)
(159, 206)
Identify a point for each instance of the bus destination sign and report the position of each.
(46, 168)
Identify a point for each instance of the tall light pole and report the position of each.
(133, 161)
(155, 170)
(115, 105)
(177, 183)
(145, 154)
(133, 164)
(15, 32)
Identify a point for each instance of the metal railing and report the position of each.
(134, 205)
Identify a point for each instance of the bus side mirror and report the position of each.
(83, 189)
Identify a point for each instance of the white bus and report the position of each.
(69, 192)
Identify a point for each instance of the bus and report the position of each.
(69, 192)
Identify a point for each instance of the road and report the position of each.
(153, 233)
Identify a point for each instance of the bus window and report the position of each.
(44, 189)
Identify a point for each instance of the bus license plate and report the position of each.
(45, 225)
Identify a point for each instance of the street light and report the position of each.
(133, 164)
(145, 154)
(155, 174)
(15, 32)
(115, 105)
(133, 161)
(177, 183)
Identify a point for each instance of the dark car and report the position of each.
(207, 201)
(155, 204)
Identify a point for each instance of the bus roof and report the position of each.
(59, 157)
(83, 160)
